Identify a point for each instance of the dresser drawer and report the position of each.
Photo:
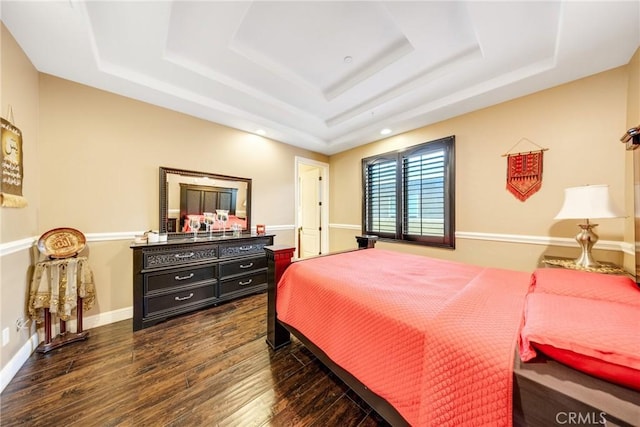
(182, 255)
(176, 300)
(245, 283)
(250, 247)
(242, 266)
(161, 281)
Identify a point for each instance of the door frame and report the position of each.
(324, 189)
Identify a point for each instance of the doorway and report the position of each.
(312, 207)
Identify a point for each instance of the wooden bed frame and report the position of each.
(545, 393)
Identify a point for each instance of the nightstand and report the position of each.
(568, 263)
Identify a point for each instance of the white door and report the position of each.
(310, 212)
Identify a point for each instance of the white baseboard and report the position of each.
(89, 322)
(107, 318)
(16, 362)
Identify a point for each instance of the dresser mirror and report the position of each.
(219, 203)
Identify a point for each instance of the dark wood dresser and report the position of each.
(182, 275)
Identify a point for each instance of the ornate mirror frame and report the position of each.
(164, 195)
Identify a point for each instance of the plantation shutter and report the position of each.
(409, 194)
(424, 193)
(381, 197)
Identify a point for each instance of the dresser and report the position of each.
(179, 276)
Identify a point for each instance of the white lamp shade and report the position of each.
(588, 202)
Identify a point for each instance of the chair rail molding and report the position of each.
(28, 242)
(609, 245)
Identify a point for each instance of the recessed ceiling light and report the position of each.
(348, 60)
(385, 131)
(261, 132)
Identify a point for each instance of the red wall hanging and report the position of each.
(524, 172)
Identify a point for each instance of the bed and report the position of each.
(378, 335)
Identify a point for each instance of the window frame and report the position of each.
(447, 239)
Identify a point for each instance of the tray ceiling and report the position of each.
(326, 76)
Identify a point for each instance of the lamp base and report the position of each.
(586, 238)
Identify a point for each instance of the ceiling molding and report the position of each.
(283, 66)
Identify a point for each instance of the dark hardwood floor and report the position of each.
(212, 367)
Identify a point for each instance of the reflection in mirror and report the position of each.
(214, 202)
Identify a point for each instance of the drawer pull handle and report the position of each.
(184, 277)
(189, 255)
(248, 282)
(246, 265)
(184, 298)
(246, 248)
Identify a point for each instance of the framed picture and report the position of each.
(11, 169)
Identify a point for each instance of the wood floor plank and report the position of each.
(216, 393)
(274, 400)
(312, 404)
(211, 367)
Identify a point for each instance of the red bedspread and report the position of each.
(434, 338)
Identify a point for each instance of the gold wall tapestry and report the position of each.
(524, 172)
(11, 169)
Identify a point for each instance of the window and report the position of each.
(409, 194)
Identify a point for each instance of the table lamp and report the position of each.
(587, 202)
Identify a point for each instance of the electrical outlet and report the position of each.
(5, 336)
(21, 324)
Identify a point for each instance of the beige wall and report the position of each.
(633, 93)
(18, 92)
(108, 148)
(633, 119)
(580, 123)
